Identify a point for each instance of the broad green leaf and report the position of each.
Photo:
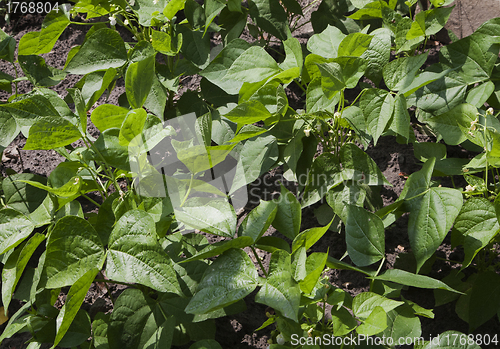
(200, 158)
(378, 54)
(360, 167)
(256, 157)
(94, 85)
(14, 228)
(371, 10)
(74, 301)
(309, 237)
(364, 303)
(317, 99)
(272, 243)
(473, 56)
(449, 340)
(449, 124)
(214, 216)
(293, 54)
(340, 73)
(378, 107)
(270, 17)
(218, 68)
(431, 217)
(325, 174)
(281, 291)
(100, 331)
(375, 323)
(401, 118)
(253, 65)
(475, 226)
(73, 248)
(14, 267)
(354, 44)
(429, 22)
(414, 280)
(195, 47)
(400, 73)
(314, 267)
(132, 126)
(220, 247)
(138, 81)
(426, 150)
(51, 132)
(8, 128)
(139, 322)
(326, 43)
(173, 6)
(288, 216)
(478, 95)
(402, 325)
(246, 132)
(108, 116)
(422, 80)
(339, 197)
(418, 182)
(248, 113)
(365, 236)
(484, 299)
(212, 9)
(134, 254)
(7, 47)
(149, 10)
(108, 147)
(162, 42)
(38, 72)
(22, 196)
(102, 50)
(69, 189)
(258, 220)
(230, 278)
(80, 108)
(342, 321)
(35, 43)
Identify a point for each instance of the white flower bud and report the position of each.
(470, 188)
(280, 339)
(337, 115)
(490, 111)
(125, 22)
(307, 132)
(112, 20)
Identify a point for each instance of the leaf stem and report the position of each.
(260, 262)
(378, 271)
(91, 200)
(188, 191)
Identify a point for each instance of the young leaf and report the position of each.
(230, 278)
(429, 22)
(413, 280)
(364, 236)
(400, 73)
(377, 106)
(134, 254)
(51, 132)
(108, 116)
(354, 44)
(314, 267)
(293, 54)
(173, 6)
(248, 113)
(253, 65)
(281, 291)
(364, 303)
(288, 216)
(326, 43)
(258, 220)
(309, 237)
(74, 301)
(65, 264)
(132, 127)
(103, 49)
(375, 323)
(35, 43)
(138, 81)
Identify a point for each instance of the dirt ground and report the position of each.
(237, 331)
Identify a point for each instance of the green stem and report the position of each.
(91, 200)
(258, 260)
(188, 191)
(378, 271)
(15, 68)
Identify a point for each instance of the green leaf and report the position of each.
(212, 9)
(377, 106)
(134, 254)
(400, 73)
(309, 237)
(402, 325)
(340, 73)
(22, 196)
(103, 49)
(478, 95)
(148, 11)
(220, 247)
(364, 236)
(95, 84)
(217, 70)
(364, 303)
(288, 215)
(343, 322)
(354, 44)
(413, 280)
(293, 54)
(7, 47)
(8, 128)
(248, 113)
(449, 124)
(138, 81)
(315, 265)
(326, 43)
(474, 227)
(74, 301)
(132, 127)
(401, 118)
(258, 220)
(14, 267)
(14, 228)
(431, 217)
(359, 166)
(173, 6)
(139, 322)
(317, 100)
(38, 72)
(108, 116)
(484, 299)
(230, 278)
(256, 157)
(378, 54)
(108, 146)
(270, 17)
(422, 80)
(429, 22)
(214, 216)
(371, 10)
(195, 47)
(73, 248)
(253, 65)
(35, 43)
(51, 132)
(375, 323)
(281, 291)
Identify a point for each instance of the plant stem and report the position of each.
(91, 200)
(378, 271)
(188, 191)
(260, 262)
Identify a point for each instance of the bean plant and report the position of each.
(156, 170)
